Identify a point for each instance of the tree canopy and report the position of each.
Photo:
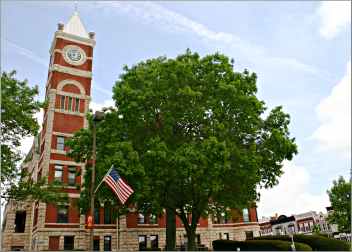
(189, 134)
(340, 199)
(18, 108)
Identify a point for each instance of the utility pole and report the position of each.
(98, 116)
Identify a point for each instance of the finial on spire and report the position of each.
(76, 6)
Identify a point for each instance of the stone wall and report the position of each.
(9, 237)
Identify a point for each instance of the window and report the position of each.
(142, 240)
(17, 248)
(226, 236)
(107, 243)
(35, 215)
(62, 102)
(107, 215)
(249, 235)
(153, 219)
(96, 243)
(20, 221)
(69, 108)
(69, 242)
(245, 215)
(141, 219)
(96, 216)
(291, 228)
(154, 241)
(58, 173)
(62, 214)
(60, 143)
(220, 218)
(77, 105)
(71, 175)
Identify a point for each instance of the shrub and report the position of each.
(258, 245)
(151, 249)
(316, 242)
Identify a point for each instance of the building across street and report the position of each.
(303, 223)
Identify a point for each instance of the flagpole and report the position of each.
(118, 230)
(103, 179)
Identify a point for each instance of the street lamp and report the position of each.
(97, 117)
(293, 247)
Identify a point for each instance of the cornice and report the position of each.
(84, 97)
(62, 134)
(69, 70)
(62, 162)
(70, 112)
(71, 37)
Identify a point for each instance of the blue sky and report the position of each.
(301, 52)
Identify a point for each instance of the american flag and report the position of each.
(116, 183)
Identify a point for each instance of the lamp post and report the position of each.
(97, 117)
(293, 247)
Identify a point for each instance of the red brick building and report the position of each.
(38, 226)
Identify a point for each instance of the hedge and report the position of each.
(316, 242)
(258, 245)
(150, 249)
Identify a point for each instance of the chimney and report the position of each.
(91, 35)
(60, 26)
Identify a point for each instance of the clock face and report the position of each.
(74, 55)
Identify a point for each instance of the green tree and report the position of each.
(18, 108)
(189, 135)
(340, 199)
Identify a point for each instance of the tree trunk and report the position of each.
(170, 229)
(191, 239)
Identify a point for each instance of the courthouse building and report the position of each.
(36, 226)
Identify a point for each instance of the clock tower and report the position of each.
(67, 101)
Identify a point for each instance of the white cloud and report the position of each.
(26, 52)
(99, 106)
(334, 17)
(169, 20)
(334, 113)
(151, 12)
(101, 90)
(291, 195)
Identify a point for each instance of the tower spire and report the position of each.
(75, 26)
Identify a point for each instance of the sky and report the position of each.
(300, 51)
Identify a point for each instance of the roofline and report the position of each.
(71, 37)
